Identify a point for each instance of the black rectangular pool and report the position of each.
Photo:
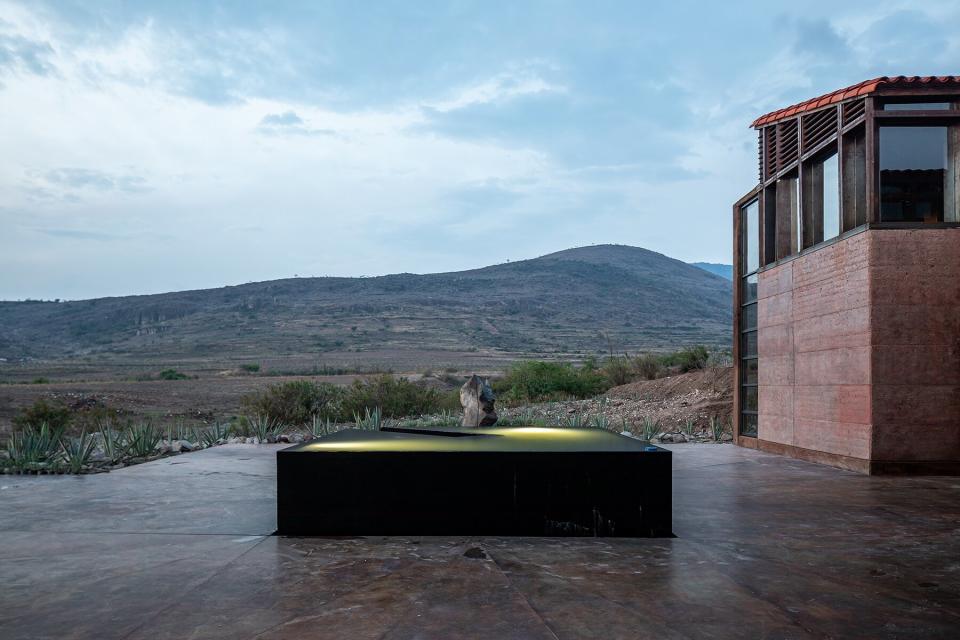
(518, 481)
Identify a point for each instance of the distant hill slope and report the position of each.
(585, 299)
(723, 270)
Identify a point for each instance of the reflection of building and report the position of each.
(847, 307)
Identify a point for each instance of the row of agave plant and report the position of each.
(45, 449)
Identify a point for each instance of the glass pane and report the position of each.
(749, 289)
(748, 425)
(750, 221)
(916, 106)
(748, 371)
(748, 344)
(831, 197)
(913, 169)
(748, 400)
(749, 317)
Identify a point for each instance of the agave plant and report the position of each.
(76, 452)
(112, 442)
(32, 446)
(577, 420)
(649, 428)
(322, 426)
(717, 427)
(141, 439)
(212, 435)
(689, 426)
(600, 421)
(371, 420)
(264, 428)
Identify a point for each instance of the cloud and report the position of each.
(289, 123)
(285, 119)
(78, 234)
(75, 178)
(500, 88)
(21, 54)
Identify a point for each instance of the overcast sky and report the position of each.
(159, 146)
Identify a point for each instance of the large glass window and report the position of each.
(854, 179)
(750, 221)
(821, 199)
(916, 106)
(916, 173)
(747, 321)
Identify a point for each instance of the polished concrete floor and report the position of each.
(766, 547)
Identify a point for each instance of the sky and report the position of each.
(162, 146)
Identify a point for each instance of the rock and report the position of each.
(628, 434)
(726, 437)
(477, 399)
(672, 437)
(251, 441)
(283, 438)
(235, 440)
(296, 437)
(475, 553)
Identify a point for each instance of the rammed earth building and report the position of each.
(847, 304)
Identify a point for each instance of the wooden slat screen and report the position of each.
(853, 111)
(770, 151)
(819, 127)
(788, 144)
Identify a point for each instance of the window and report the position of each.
(918, 174)
(747, 321)
(854, 179)
(916, 106)
(781, 219)
(821, 199)
(750, 221)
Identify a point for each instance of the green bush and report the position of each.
(534, 381)
(394, 397)
(648, 366)
(54, 414)
(252, 367)
(691, 358)
(619, 370)
(296, 402)
(173, 374)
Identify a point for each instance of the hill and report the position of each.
(583, 300)
(723, 270)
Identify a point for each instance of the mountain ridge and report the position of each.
(580, 299)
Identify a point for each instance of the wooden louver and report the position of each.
(770, 151)
(853, 111)
(819, 127)
(788, 144)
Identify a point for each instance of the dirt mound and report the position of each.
(714, 384)
(674, 403)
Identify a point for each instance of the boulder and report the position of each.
(477, 399)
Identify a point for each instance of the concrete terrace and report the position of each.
(767, 547)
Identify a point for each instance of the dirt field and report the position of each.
(203, 399)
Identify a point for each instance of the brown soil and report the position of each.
(697, 396)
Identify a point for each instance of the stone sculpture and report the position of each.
(477, 399)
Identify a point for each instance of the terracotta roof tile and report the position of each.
(856, 91)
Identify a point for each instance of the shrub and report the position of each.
(173, 374)
(688, 359)
(619, 370)
(648, 366)
(54, 414)
(296, 402)
(394, 397)
(533, 381)
(251, 367)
